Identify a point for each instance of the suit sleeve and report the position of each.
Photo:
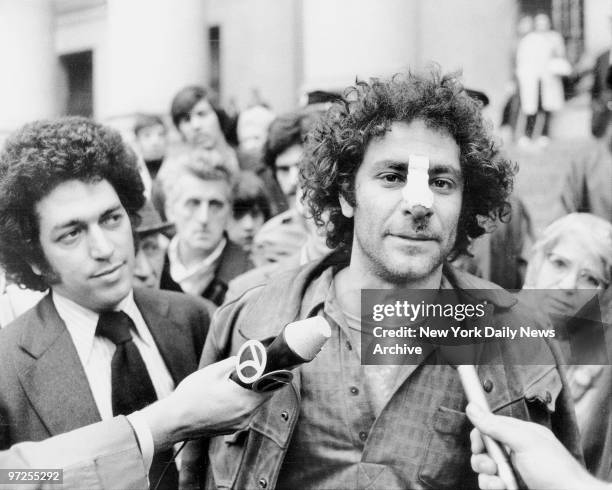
(216, 348)
(103, 455)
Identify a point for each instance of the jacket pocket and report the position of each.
(539, 401)
(447, 453)
(225, 454)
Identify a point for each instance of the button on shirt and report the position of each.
(349, 435)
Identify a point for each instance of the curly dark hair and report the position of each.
(335, 150)
(35, 160)
(287, 130)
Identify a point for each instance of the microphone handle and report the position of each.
(281, 356)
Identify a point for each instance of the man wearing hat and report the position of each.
(151, 247)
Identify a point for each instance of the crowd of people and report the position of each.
(128, 267)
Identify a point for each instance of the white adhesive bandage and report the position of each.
(416, 192)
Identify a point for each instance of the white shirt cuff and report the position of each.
(144, 436)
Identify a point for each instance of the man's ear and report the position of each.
(36, 270)
(347, 210)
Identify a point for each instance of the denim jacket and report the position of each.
(252, 457)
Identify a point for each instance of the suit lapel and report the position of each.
(173, 340)
(51, 373)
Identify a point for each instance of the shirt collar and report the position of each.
(179, 272)
(81, 322)
(315, 295)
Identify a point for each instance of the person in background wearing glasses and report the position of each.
(571, 266)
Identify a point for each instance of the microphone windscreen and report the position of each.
(307, 337)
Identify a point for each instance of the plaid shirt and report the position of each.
(321, 431)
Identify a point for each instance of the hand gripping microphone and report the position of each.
(263, 369)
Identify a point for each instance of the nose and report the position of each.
(248, 223)
(569, 281)
(100, 246)
(420, 212)
(203, 213)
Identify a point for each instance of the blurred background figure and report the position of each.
(540, 64)
(587, 187)
(15, 300)
(284, 149)
(201, 259)
(151, 246)
(203, 125)
(251, 209)
(601, 91)
(511, 113)
(150, 140)
(572, 266)
(501, 255)
(252, 132)
(285, 249)
(284, 234)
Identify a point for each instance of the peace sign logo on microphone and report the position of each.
(251, 361)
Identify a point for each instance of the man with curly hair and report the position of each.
(401, 175)
(93, 347)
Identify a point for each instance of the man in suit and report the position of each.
(112, 454)
(201, 259)
(94, 347)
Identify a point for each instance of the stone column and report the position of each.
(27, 62)
(155, 47)
(348, 38)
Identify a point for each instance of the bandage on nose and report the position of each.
(417, 192)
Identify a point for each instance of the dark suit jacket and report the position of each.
(43, 386)
(233, 262)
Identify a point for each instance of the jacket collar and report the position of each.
(51, 373)
(305, 288)
(173, 340)
(53, 377)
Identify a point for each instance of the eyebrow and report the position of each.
(441, 168)
(435, 168)
(77, 222)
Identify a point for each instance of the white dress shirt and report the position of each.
(96, 353)
(196, 278)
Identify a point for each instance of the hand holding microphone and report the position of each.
(475, 395)
(264, 369)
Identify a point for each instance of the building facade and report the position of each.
(112, 58)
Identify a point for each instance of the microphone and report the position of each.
(264, 369)
(475, 394)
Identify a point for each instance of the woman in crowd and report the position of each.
(571, 267)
